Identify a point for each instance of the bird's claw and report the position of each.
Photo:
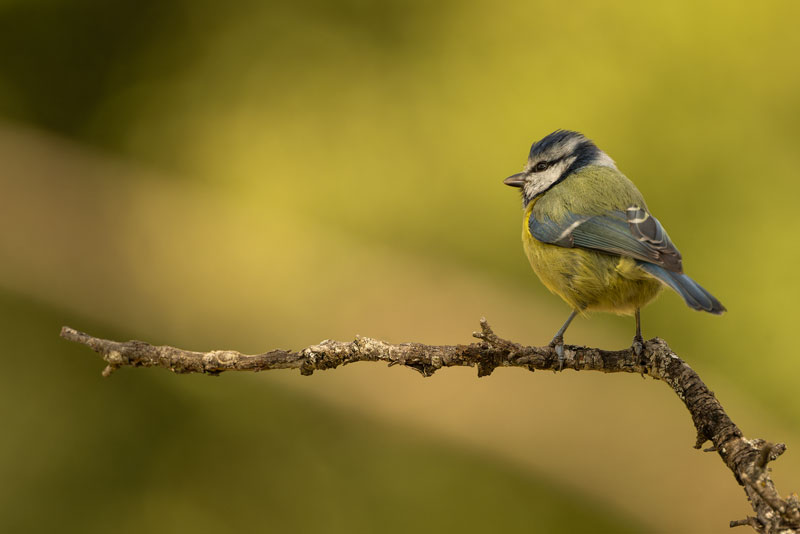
(558, 346)
(638, 348)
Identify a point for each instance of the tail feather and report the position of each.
(695, 296)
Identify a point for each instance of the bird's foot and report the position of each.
(558, 345)
(638, 348)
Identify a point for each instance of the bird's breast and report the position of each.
(587, 279)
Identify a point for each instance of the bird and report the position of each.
(590, 238)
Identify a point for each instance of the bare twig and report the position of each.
(746, 458)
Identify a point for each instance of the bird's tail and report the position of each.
(695, 296)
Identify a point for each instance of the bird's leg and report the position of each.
(558, 340)
(638, 342)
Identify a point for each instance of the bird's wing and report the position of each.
(633, 232)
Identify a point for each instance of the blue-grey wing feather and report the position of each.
(633, 233)
(646, 229)
(548, 231)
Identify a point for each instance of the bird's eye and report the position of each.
(541, 166)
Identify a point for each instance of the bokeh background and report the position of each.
(253, 175)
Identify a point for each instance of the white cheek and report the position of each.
(539, 182)
(533, 187)
(553, 173)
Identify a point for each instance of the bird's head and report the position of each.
(552, 159)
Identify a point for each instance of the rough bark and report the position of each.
(746, 458)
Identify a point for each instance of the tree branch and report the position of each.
(746, 458)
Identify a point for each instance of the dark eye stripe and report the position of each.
(544, 165)
(541, 166)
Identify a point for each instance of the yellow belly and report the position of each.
(589, 280)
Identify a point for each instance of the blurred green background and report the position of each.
(252, 175)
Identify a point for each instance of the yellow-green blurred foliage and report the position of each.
(254, 174)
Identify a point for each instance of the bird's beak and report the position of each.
(515, 180)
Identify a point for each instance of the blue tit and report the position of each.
(590, 238)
